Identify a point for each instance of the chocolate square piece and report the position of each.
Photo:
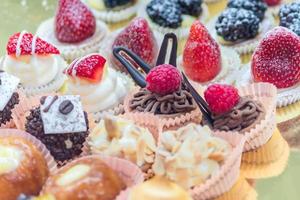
(62, 114)
(8, 85)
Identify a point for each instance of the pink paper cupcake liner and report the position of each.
(37, 143)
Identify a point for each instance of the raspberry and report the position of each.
(272, 2)
(163, 79)
(221, 98)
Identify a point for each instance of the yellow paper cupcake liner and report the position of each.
(289, 112)
(267, 161)
(241, 190)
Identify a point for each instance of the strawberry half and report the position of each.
(41, 47)
(201, 55)
(74, 22)
(139, 38)
(277, 58)
(90, 68)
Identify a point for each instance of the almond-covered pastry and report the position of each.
(190, 155)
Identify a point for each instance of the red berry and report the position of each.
(139, 38)
(74, 22)
(90, 68)
(163, 79)
(272, 2)
(201, 55)
(277, 58)
(41, 47)
(221, 98)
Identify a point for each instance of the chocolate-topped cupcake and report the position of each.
(61, 124)
(9, 98)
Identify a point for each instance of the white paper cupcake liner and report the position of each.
(231, 64)
(71, 51)
(181, 32)
(285, 97)
(249, 45)
(111, 16)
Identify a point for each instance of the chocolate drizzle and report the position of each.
(50, 104)
(240, 117)
(176, 102)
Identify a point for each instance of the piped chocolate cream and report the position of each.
(242, 116)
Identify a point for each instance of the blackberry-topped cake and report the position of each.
(289, 17)
(61, 124)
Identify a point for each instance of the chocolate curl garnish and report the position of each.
(135, 74)
(207, 114)
(163, 50)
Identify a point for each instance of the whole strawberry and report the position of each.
(221, 98)
(273, 2)
(277, 58)
(163, 79)
(74, 22)
(139, 38)
(201, 55)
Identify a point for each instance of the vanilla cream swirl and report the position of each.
(106, 94)
(190, 155)
(115, 136)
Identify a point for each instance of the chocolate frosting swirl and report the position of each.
(177, 102)
(243, 115)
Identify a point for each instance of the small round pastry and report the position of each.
(84, 178)
(35, 62)
(23, 167)
(60, 123)
(158, 188)
(74, 30)
(204, 61)
(289, 17)
(168, 16)
(101, 88)
(113, 11)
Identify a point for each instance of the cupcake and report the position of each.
(199, 161)
(74, 30)
(112, 11)
(60, 123)
(137, 37)
(204, 61)
(102, 88)
(241, 25)
(85, 178)
(25, 164)
(167, 16)
(116, 136)
(35, 62)
(9, 98)
(289, 17)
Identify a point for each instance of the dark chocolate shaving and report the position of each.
(163, 50)
(66, 107)
(43, 99)
(177, 102)
(63, 146)
(5, 114)
(50, 104)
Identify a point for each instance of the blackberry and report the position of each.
(237, 24)
(166, 13)
(115, 3)
(258, 7)
(289, 16)
(191, 7)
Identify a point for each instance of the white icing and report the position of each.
(8, 86)
(55, 122)
(19, 42)
(33, 44)
(34, 70)
(109, 92)
(10, 159)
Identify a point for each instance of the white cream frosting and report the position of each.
(115, 136)
(190, 155)
(106, 94)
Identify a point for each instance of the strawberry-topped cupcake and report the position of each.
(242, 24)
(137, 37)
(169, 16)
(113, 11)
(74, 30)
(204, 61)
(35, 62)
(101, 88)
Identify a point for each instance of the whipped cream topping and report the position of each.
(115, 136)
(190, 155)
(107, 93)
